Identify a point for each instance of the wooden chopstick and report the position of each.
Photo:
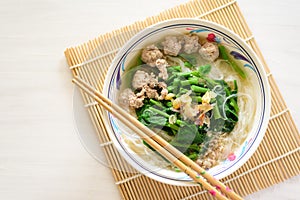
(188, 166)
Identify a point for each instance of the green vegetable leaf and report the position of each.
(139, 61)
(173, 69)
(224, 55)
(204, 69)
(188, 65)
(193, 156)
(191, 58)
(216, 125)
(188, 134)
(157, 120)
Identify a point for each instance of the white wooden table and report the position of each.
(40, 154)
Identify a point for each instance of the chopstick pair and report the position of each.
(198, 174)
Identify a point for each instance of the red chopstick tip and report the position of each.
(212, 192)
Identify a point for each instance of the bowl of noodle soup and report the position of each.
(196, 84)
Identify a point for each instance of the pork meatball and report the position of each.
(191, 44)
(209, 51)
(172, 45)
(140, 79)
(150, 54)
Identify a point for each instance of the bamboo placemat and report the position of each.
(278, 155)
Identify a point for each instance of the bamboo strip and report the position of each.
(89, 77)
(113, 165)
(237, 23)
(99, 120)
(112, 154)
(154, 189)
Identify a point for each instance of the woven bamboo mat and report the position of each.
(277, 157)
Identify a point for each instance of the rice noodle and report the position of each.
(179, 62)
(237, 95)
(218, 89)
(246, 105)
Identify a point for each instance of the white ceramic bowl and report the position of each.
(243, 54)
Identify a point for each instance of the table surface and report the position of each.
(41, 156)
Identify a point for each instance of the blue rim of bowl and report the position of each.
(265, 111)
